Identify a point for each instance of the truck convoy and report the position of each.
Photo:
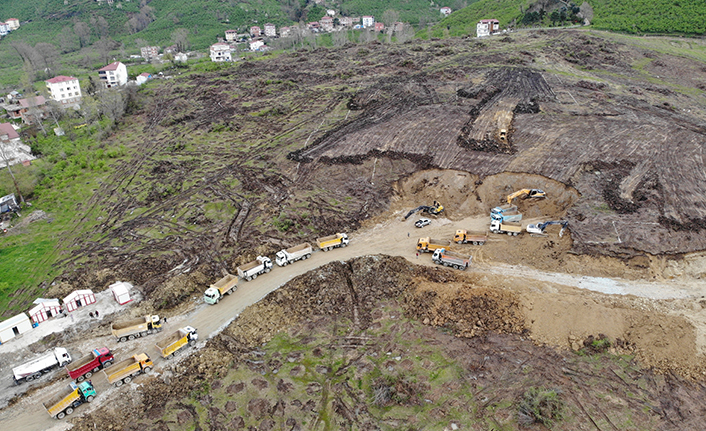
(130, 329)
(172, 344)
(89, 364)
(67, 400)
(426, 245)
(510, 228)
(293, 254)
(217, 291)
(463, 237)
(445, 257)
(251, 270)
(124, 371)
(332, 241)
(58, 357)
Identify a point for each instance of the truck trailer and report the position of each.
(217, 291)
(293, 254)
(510, 228)
(57, 357)
(251, 270)
(330, 242)
(124, 371)
(177, 340)
(140, 327)
(445, 257)
(427, 245)
(68, 399)
(93, 362)
(463, 237)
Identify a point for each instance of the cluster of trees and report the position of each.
(556, 12)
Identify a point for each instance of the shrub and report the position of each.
(540, 405)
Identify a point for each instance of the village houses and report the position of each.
(113, 75)
(270, 30)
(231, 35)
(368, 21)
(255, 31)
(326, 23)
(12, 150)
(64, 89)
(32, 109)
(445, 11)
(257, 45)
(14, 23)
(220, 52)
(379, 26)
(285, 31)
(349, 21)
(149, 53)
(486, 27)
(143, 77)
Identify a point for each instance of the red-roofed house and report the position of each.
(13, 150)
(255, 31)
(64, 89)
(379, 26)
(113, 75)
(143, 77)
(14, 23)
(4, 28)
(32, 109)
(270, 30)
(326, 23)
(285, 31)
(486, 27)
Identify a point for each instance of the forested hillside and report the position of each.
(630, 16)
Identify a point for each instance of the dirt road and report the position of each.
(391, 237)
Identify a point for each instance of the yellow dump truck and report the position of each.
(462, 236)
(179, 339)
(217, 291)
(68, 399)
(332, 241)
(124, 371)
(428, 245)
(131, 329)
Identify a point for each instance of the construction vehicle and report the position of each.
(510, 228)
(89, 364)
(507, 216)
(251, 270)
(172, 344)
(538, 229)
(57, 357)
(217, 291)
(71, 397)
(124, 371)
(530, 193)
(502, 209)
(449, 258)
(141, 327)
(293, 254)
(463, 237)
(332, 241)
(434, 209)
(426, 245)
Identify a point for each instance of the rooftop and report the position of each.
(60, 78)
(7, 129)
(111, 66)
(33, 101)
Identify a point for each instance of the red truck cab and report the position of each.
(89, 364)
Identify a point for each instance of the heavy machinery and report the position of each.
(530, 193)
(293, 254)
(124, 371)
(224, 286)
(434, 209)
(506, 216)
(510, 228)
(449, 258)
(85, 367)
(177, 340)
(57, 357)
(71, 397)
(332, 241)
(133, 328)
(251, 270)
(426, 245)
(538, 229)
(463, 237)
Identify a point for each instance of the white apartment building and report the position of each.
(368, 21)
(64, 89)
(113, 75)
(220, 52)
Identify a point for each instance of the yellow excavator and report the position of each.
(434, 209)
(530, 193)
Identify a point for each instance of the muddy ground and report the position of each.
(346, 348)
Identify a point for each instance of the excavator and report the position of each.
(434, 209)
(530, 193)
(538, 229)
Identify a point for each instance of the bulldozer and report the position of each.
(530, 193)
(434, 209)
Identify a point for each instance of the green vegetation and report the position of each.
(540, 405)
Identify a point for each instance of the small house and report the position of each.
(326, 23)
(445, 11)
(257, 45)
(220, 52)
(113, 75)
(368, 21)
(121, 292)
(231, 35)
(285, 31)
(486, 27)
(270, 30)
(79, 298)
(255, 31)
(44, 309)
(4, 29)
(379, 26)
(13, 327)
(143, 77)
(181, 57)
(33, 109)
(14, 23)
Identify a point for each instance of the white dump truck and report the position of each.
(57, 357)
(177, 340)
(332, 241)
(445, 257)
(293, 254)
(251, 270)
(510, 228)
(217, 291)
(140, 327)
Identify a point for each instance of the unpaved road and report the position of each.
(390, 237)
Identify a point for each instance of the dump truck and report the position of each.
(172, 344)
(89, 364)
(251, 270)
(131, 329)
(463, 237)
(124, 371)
(293, 254)
(332, 241)
(217, 291)
(57, 357)
(507, 216)
(68, 399)
(427, 245)
(510, 228)
(503, 208)
(445, 257)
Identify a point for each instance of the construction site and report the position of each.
(557, 282)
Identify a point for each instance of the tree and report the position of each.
(83, 31)
(180, 38)
(367, 35)
(389, 18)
(406, 34)
(340, 38)
(586, 13)
(112, 104)
(48, 55)
(68, 40)
(103, 48)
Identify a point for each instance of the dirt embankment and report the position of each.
(476, 309)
